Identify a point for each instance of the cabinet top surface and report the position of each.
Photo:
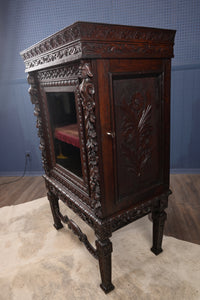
(97, 40)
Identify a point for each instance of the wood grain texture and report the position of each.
(183, 220)
(23, 190)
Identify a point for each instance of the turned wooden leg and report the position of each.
(159, 218)
(53, 199)
(104, 249)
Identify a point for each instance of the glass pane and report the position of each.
(62, 110)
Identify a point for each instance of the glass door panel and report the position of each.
(62, 111)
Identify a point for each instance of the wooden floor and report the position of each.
(183, 212)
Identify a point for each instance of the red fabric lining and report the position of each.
(68, 134)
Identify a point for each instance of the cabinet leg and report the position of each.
(104, 249)
(158, 229)
(53, 200)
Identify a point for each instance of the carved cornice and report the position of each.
(89, 40)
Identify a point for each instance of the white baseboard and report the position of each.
(19, 174)
(184, 171)
(40, 173)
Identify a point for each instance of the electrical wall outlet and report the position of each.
(28, 155)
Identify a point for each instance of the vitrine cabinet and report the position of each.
(102, 100)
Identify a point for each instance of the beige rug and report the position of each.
(38, 262)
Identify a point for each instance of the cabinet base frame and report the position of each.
(104, 228)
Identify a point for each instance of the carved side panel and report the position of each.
(34, 94)
(137, 107)
(87, 93)
(135, 133)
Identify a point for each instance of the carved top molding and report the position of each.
(78, 41)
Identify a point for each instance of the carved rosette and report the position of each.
(87, 92)
(34, 95)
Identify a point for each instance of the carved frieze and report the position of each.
(60, 76)
(68, 53)
(59, 73)
(96, 49)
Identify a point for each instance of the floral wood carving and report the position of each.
(87, 92)
(135, 132)
(33, 91)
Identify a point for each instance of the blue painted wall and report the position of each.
(25, 22)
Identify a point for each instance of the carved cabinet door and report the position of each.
(134, 117)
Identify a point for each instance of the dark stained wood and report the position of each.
(183, 220)
(120, 76)
(139, 167)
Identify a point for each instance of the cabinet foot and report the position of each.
(156, 251)
(107, 289)
(104, 250)
(58, 226)
(53, 200)
(158, 229)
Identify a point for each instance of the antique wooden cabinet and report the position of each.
(102, 100)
